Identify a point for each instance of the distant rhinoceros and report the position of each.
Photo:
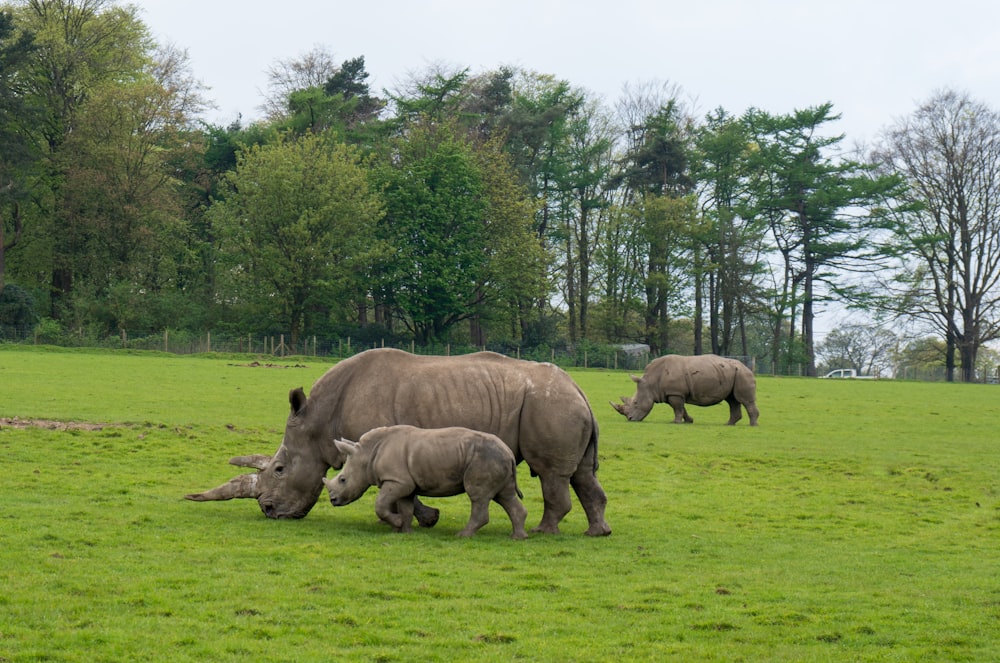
(535, 408)
(698, 380)
(405, 461)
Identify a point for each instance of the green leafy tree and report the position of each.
(84, 49)
(296, 230)
(821, 210)
(459, 229)
(17, 156)
(732, 238)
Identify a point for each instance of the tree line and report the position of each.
(498, 207)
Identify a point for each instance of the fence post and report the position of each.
(166, 344)
(209, 342)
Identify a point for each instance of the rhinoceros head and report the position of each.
(635, 408)
(287, 484)
(352, 481)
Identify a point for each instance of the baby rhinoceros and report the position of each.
(405, 461)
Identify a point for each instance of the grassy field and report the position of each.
(860, 521)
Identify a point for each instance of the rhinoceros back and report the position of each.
(518, 401)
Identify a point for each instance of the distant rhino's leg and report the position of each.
(555, 494)
(752, 412)
(680, 414)
(507, 498)
(479, 515)
(387, 506)
(426, 516)
(592, 497)
(734, 410)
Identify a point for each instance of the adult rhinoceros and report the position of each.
(535, 408)
(698, 380)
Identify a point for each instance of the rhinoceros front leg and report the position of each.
(427, 516)
(395, 506)
(680, 412)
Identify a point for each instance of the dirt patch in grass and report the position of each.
(50, 424)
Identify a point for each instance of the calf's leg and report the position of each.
(479, 516)
(390, 506)
(507, 498)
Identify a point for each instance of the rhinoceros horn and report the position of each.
(241, 486)
(618, 406)
(258, 461)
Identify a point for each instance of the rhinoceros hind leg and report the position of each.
(555, 494)
(593, 499)
(507, 498)
(735, 414)
(479, 516)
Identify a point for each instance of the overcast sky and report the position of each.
(874, 59)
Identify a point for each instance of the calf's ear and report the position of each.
(345, 447)
(635, 378)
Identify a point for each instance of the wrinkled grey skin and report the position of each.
(404, 461)
(698, 380)
(535, 408)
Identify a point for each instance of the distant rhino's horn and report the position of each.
(257, 461)
(239, 487)
(618, 407)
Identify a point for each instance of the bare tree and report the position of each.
(311, 69)
(949, 151)
(865, 348)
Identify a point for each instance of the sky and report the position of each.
(875, 60)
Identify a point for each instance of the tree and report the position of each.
(296, 230)
(821, 210)
(948, 244)
(655, 177)
(310, 70)
(733, 237)
(867, 349)
(84, 50)
(460, 241)
(17, 155)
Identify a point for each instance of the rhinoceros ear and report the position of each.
(297, 398)
(345, 447)
(256, 461)
(635, 378)
(239, 487)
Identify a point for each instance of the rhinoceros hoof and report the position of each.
(428, 517)
(599, 530)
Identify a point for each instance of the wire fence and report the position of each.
(586, 354)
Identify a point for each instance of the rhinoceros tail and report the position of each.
(592, 444)
(513, 472)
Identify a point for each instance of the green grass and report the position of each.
(859, 521)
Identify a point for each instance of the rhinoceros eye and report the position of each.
(279, 469)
